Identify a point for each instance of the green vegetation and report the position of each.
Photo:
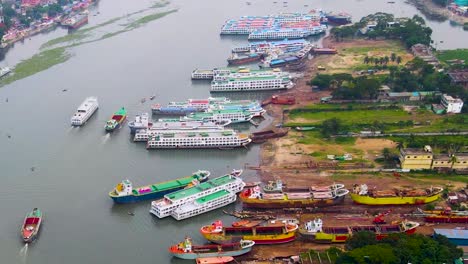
(409, 30)
(438, 143)
(447, 57)
(347, 87)
(39, 62)
(143, 20)
(398, 248)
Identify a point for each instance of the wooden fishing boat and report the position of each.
(446, 216)
(214, 260)
(246, 223)
(186, 250)
(31, 225)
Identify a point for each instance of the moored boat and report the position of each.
(125, 193)
(116, 120)
(446, 216)
(4, 71)
(294, 197)
(238, 59)
(304, 128)
(75, 21)
(142, 121)
(31, 225)
(362, 195)
(315, 231)
(339, 18)
(85, 111)
(186, 250)
(214, 260)
(266, 234)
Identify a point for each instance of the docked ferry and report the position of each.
(264, 46)
(142, 121)
(315, 231)
(125, 193)
(200, 198)
(178, 139)
(85, 111)
(161, 127)
(294, 197)
(272, 34)
(243, 58)
(187, 107)
(235, 115)
(263, 83)
(276, 233)
(362, 195)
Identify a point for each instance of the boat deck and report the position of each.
(200, 187)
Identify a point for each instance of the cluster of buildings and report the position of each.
(424, 52)
(420, 159)
(448, 105)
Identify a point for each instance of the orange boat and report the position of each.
(214, 260)
(246, 223)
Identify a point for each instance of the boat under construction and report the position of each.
(362, 195)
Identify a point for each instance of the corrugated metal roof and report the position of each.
(452, 233)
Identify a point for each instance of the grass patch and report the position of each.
(421, 176)
(447, 55)
(143, 20)
(345, 140)
(353, 117)
(37, 63)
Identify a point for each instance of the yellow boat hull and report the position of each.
(397, 200)
(259, 239)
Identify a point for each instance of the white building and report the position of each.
(452, 105)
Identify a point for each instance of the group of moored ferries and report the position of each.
(197, 194)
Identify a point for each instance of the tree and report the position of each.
(386, 59)
(322, 80)
(331, 127)
(387, 154)
(366, 59)
(398, 60)
(393, 57)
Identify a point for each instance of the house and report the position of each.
(459, 77)
(416, 159)
(461, 162)
(369, 27)
(408, 96)
(425, 53)
(451, 105)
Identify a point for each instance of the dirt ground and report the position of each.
(285, 159)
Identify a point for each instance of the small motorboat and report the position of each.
(31, 225)
(214, 260)
(152, 97)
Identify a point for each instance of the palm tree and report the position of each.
(386, 59)
(366, 59)
(386, 154)
(381, 61)
(400, 145)
(453, 159)
(393, 57)
(398, 60)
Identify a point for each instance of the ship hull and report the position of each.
(446, 219)
(210, 255)
(271, 204)
(397, 200)
(258, 239)
(244, 60)
(340, 238)
(144, 197)
(338, 20)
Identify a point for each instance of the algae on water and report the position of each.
(37, 63)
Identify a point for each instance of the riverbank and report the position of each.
(433, 11)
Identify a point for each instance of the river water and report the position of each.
(67, 172)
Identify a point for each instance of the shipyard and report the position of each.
(290, 132)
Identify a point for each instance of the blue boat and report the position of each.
(125, 193)
(174, 110)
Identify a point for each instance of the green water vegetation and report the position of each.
(37, 63)
(409, 30)
(364, 248)
(50, 57)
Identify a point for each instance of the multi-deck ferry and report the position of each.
(85, 111)
(186, 107)
(200, 198)
(235, 115)
(165, 125)
(262, 83)
(178, 139)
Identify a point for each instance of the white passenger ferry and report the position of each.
(289, 33)
(162, 127)
(200, 198)
(85, 111)
(215, 115)
(263, 83)
(179, 139)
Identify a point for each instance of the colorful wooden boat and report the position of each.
(246, 223)
(125, 193)
(116, 120)
(214, 260)
(446, 216)
(294, 197)
(314, 231)
(267, 234)
(362, 195)
(31, 225)
(186, 250)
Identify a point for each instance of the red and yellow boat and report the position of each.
(446, 216)
(314, 231)
(267, 234)
(362, 195)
